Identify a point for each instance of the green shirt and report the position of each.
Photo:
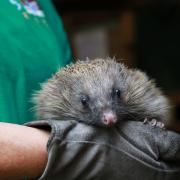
(32, 47)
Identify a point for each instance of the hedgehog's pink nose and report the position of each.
(109, 118)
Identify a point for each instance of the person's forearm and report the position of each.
(22, 151)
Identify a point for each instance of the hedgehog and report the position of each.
(101, 92)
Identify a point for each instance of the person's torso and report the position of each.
(29, 54)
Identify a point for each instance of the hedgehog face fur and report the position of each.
(100, 92)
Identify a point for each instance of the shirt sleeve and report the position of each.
(55, 22)
(131, 151)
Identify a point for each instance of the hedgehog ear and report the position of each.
(87, 59)
(139, 75)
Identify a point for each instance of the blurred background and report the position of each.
(144, 33)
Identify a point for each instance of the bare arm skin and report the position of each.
(22, 151)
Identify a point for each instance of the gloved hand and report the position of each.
(131, 151)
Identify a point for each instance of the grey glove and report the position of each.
(131, 151)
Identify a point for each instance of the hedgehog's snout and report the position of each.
(109, 118)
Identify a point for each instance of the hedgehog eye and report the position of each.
(84, 100)
(117, 92)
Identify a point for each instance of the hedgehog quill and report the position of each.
(101, 92)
